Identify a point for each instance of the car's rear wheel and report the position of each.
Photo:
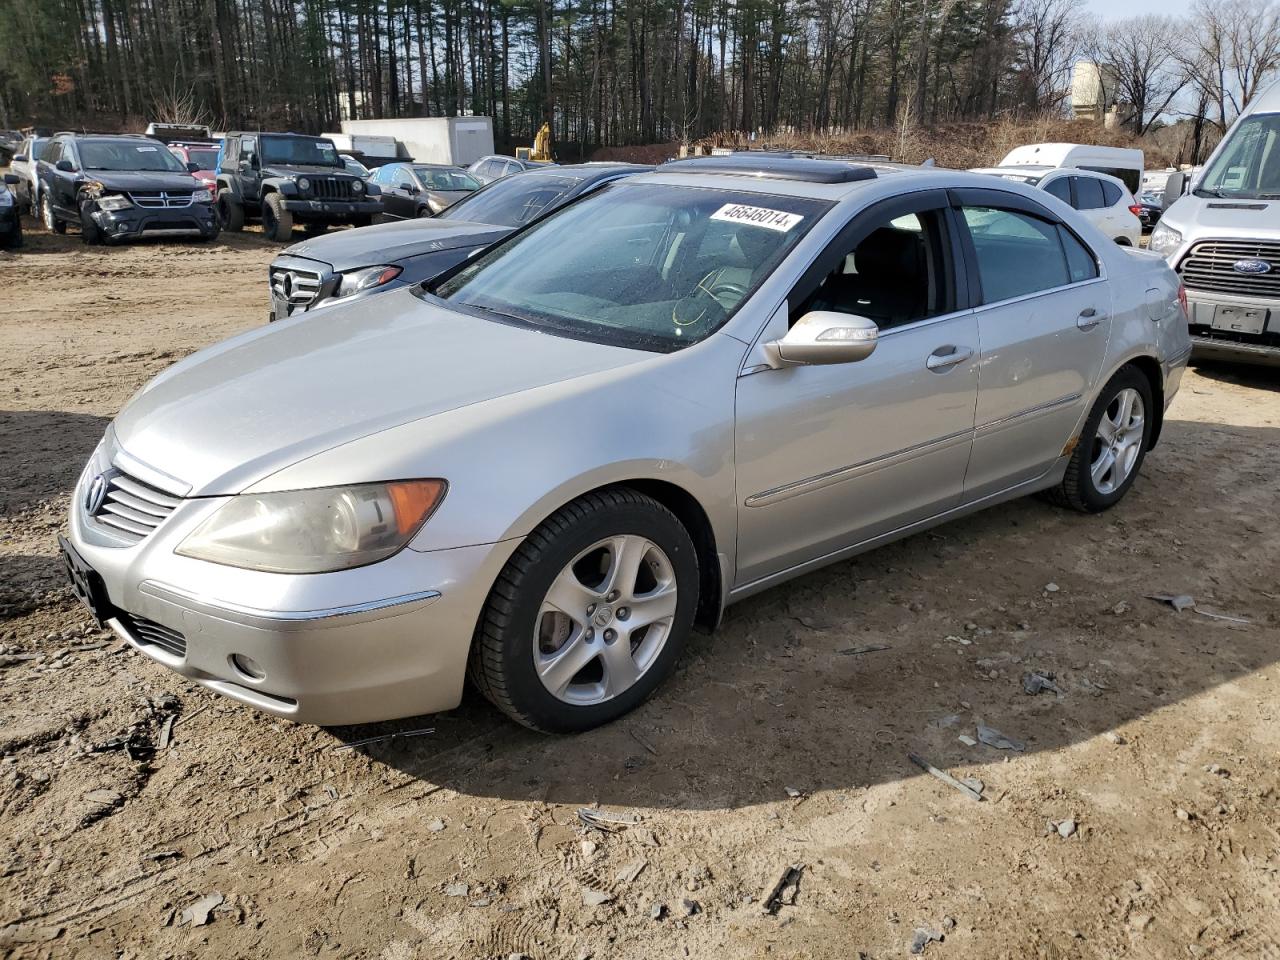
(51, 221)
(1112, 445)
(277, 222)
(230, 213)
(589, 615)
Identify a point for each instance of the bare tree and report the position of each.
(1047, 39)
(1253, 30)
(1142, 56)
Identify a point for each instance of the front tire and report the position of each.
(230, 212)
(13, 239)
(90, 234)
(1112, 445)
(315, 229)
(589, 615)
(277, 222)
(51, 221)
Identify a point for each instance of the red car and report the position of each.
(204, 156)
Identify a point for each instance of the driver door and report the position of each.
(250, 169)
(830, 456)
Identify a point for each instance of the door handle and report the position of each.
(1089, 319)
(944, 358)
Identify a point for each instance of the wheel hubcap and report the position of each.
(1118, 441)
(605, 620)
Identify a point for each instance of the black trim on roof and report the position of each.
(773, 166)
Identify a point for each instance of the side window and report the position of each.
(1018, 254)
(1110, 193)
(895, 276)
(1089, 193)
(248, 147)
(1060, 188)
(1080, 261)
(53, 152)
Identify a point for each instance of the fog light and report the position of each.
(248, 667)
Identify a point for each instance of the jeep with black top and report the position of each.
(284, 179)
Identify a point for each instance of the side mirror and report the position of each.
(823, 336)
(11, 178)
(20, 157)
(192, 167)
(408, 188)
(66, 166)
(1174, 188)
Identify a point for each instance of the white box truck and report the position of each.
(366, 145)
(455, 140)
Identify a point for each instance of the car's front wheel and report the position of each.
(277, 221)
(51, 221)
(230, 213)
(1112, 445)
(589, 615)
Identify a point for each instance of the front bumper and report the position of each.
(332, 211)
(374, 643)
(198, 219)
(1255, 339)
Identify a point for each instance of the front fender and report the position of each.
(281, 185)
(512, 461)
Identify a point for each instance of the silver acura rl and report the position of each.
(544, 468)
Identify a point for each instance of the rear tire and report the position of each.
(612, 653)
(230, 212)
(277, 222)
(1112, 445)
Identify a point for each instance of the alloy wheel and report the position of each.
(46, 213)
(1118, 441)
(605, 620)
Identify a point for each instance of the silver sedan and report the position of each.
(543, 469)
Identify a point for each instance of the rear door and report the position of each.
(834, 455)
(397, 196)
(1043, 318)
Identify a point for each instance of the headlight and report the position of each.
(117, 201)
(357, 186)
(202, 196)
(1164, 238)
(304, 184)
(315, 531)
(436, 204)
(354, 281)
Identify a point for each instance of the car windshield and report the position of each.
(642, 265)
(513, 201)
(300, 152)
(207, 159)
(443, 178)
(1249, 165)
(355, 166)
(128, 155)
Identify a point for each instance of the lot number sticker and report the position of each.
(778, 220)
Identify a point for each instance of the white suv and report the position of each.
(1104, 200)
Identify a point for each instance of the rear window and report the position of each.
(1111, 193)
(1089, 194)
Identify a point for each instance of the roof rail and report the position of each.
(775, 166)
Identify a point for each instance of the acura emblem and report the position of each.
(1251, 267)
(96, 494)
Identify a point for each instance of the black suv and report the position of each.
(287, 178)
(118, 187)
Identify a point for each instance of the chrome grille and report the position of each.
(159, 199)
(1210, 265)
(130, 507)
(297, 287)
(148, 633)
(330, 188)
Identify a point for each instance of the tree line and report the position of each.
(611, 72)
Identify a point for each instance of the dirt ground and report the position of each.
(142, 817)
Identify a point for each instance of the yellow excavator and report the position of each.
(541, 149)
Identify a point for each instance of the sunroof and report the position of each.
(774, 166)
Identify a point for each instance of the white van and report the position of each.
(1223, 238)
(1119, 162)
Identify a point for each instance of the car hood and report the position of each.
(125, 181)
(448, 197)
(390, 242)
(235, 413)
(308, 169)
(1199, 217)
